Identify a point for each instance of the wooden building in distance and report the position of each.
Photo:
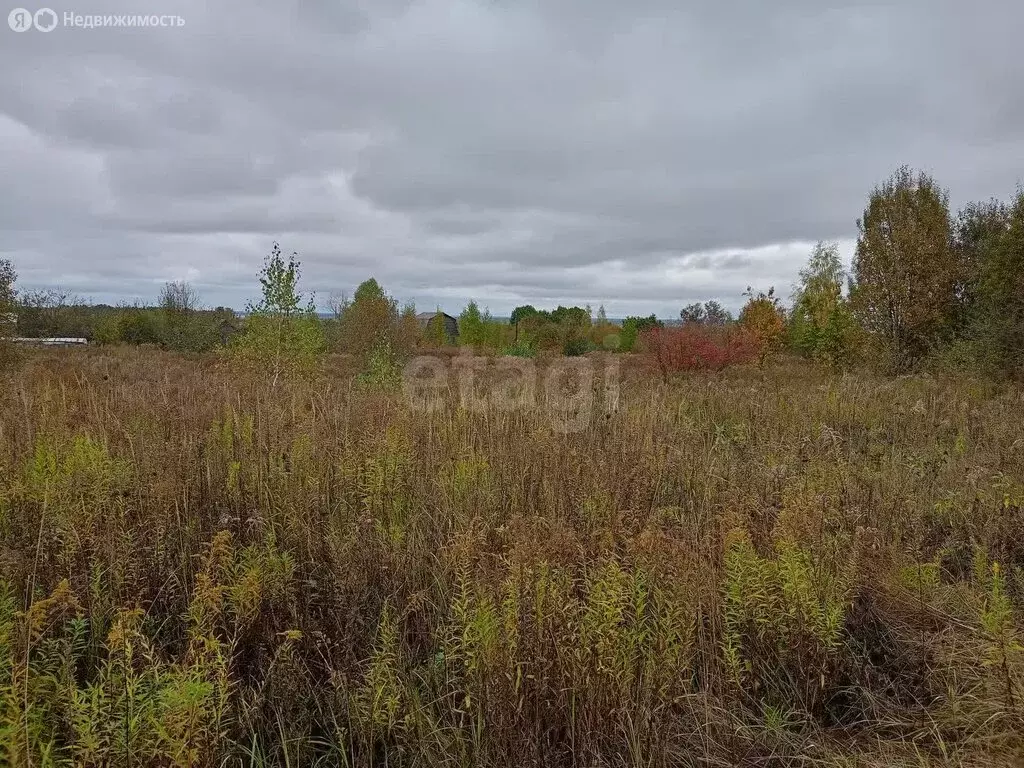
(451, 324)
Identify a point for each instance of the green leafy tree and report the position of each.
(497, 334)
(708, 313)
(408, 329)
(574, 325)
(127, 324)
(821, 323)
(571, 316)
(471, 326)
(282, 334)
(539, 328)
(106, 330)
(977, 234)
(379, 334)
(522, 313)
(716, 314)
(137, 325)
(519, 314)
(905, 273)
(692, 314)
(369, 290)
(479, 331)
(370, 321)
(540, 331)
(633, 326)
(998, 314)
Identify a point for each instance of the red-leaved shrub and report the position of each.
(699, 348)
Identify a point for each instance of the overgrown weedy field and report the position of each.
(777, 567)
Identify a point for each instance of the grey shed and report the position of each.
(451, 324)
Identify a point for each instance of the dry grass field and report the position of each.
(777, 567)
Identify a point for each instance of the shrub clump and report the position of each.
(699, 348)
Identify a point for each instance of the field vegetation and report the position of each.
(753, 567)
(795, 537)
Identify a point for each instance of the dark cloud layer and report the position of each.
(641, 154)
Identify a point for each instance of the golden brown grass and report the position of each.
(752, 568)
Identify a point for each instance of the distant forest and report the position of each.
(927, 288)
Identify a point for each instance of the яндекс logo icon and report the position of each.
(20, 20)
(45, 20)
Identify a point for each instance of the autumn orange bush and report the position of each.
(699, 347)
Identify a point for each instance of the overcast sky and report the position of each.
(630, 153)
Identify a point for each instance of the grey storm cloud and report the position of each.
(643, 154)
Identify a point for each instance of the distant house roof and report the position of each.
(426, 317)
(448, 323)
(51, 342)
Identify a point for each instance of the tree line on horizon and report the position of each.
(926, 288)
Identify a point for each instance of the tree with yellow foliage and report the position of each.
(765, 318)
